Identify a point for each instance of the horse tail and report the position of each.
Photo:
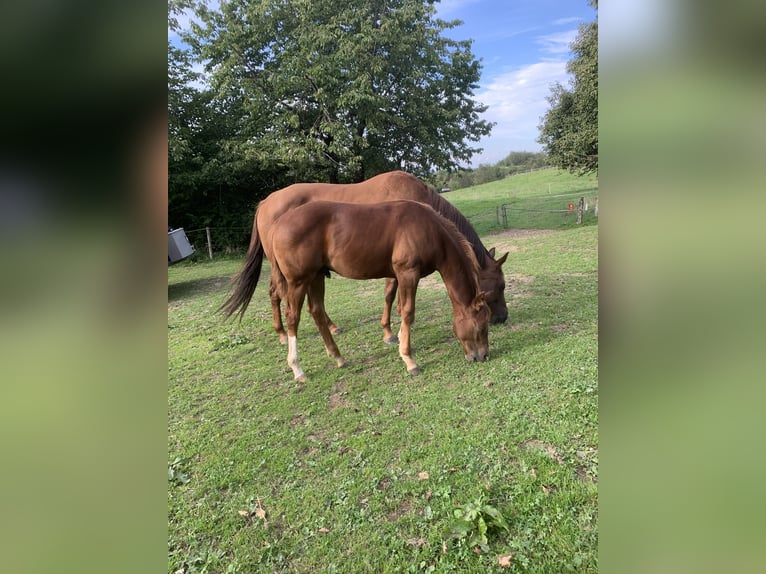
(278, 278)
(246, 280)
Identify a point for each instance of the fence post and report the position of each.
(209, 243)
(580, 205)
(497, 214)
(505, 217)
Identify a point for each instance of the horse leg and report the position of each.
(385, 320)
(294, 302)
(317, 310)
(277, 313)
(334, 329)
(407, 291)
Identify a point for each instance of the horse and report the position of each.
(384, 187)
(402, 239)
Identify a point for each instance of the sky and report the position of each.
(523, 46)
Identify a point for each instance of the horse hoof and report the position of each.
(341, 363)
(414, 372)
(392, 340)
(283, 339)
(337, 331)
(301, 379)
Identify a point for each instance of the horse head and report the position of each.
(492, 282)
(471, 326)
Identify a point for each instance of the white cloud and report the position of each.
(556, 43)
(564, 21)
(517, 101)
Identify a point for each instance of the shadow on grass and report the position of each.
(186, 289)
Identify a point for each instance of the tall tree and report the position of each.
(350, 89)
(569, 130)
(211, 181)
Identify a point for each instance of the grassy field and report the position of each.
(529, 199)
(465, 468)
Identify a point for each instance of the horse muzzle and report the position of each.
(475, 357)
(500, 317)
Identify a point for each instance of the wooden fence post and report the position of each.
(209, 243)
(580, 206)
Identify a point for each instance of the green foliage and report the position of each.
(352, 88)
(473, 520)
(213, 180)
(176, 473)
(569, 130)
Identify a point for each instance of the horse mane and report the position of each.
(451, 213)
(454, 231)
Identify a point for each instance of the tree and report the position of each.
(345, 89)
(211, 180)
(569, 130)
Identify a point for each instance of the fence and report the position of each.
(219, 239)
(578, 209)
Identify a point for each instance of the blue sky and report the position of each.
(524, 47)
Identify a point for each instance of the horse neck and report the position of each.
(450, 212)
(459, 274)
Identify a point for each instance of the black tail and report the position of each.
(245, 282)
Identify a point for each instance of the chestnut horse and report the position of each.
(384, 187)
(402, 239)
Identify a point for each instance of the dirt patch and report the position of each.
(519, 278)
(404, 507)
(584, 472)
(318, 437)
(581, 472)
(338, 398)
(504, 240)
(534, 444)
(516, 284)
(337, 401)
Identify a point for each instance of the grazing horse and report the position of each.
(402, 239)
(384, 187)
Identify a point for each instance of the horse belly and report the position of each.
(361, 268)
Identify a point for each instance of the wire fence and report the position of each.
(537, 215)
(575, 212)
(218, 240)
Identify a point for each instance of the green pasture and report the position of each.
(531, 198)
(483, 467)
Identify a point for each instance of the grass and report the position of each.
(366, 469)
(529, 198)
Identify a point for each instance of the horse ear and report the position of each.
(500, 261)
(492, 253)
(480, 300)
